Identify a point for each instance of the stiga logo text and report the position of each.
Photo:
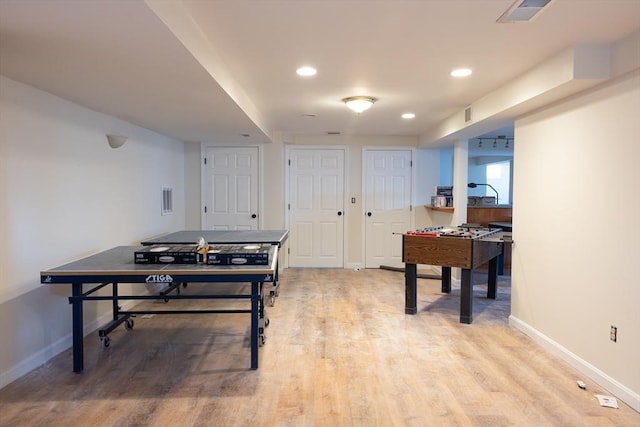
(159, 278)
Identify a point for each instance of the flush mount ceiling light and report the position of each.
(461, 72)
(306, 71)
(408, 116)
(359, 103)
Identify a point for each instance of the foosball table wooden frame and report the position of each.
(466, 253)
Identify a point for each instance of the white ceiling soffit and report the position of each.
(214, 71)
(569, 72)
(118, 58)
(192, 36)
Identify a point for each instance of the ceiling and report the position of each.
(224, 71)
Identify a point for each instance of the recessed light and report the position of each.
(408, 116)
(461, 72)
(306, 71)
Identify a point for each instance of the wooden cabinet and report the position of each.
(484, 215)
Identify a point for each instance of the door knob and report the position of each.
(368, 213)
(254, 216)
(339, 213)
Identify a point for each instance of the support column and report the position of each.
(460, 180)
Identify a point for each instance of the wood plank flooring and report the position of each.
(339, 352)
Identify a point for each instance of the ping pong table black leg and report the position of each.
(262, 315)
(261, 309)
(78, 344)
(255, 315)
(275, 288)
(114, 303)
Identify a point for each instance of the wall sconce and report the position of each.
(116, 141)
(359, 103)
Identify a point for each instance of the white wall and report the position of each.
(477, 173)
(64, 194)
(192, 190)
(446, 166)
(427, 171)
(575, 218)
(272, 199)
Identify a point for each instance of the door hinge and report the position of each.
(289, 162)
(205, 160)
(288, 250)
(410, 208)
(410, 163)
(205, 209)
(288, 206)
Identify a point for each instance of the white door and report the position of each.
(231, 188)
(316, 207)
(387, 181)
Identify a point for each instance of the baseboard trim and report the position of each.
(44, 355)
(614, 387)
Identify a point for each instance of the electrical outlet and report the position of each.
(613, 335)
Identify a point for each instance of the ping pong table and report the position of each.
(185, 237)
(116, 265)
(274, 237)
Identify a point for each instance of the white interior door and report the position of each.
(316, 207)
(231, 188)
(387, 181)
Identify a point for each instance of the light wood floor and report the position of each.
(339, 352)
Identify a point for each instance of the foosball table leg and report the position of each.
(466, 296)
(410, 288)
(446, 280)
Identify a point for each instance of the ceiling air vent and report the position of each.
(523, 10)
(467, 114)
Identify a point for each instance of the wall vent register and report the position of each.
(167, 200)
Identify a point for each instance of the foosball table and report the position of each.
(460, 247)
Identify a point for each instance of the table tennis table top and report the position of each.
(119, 261)
(274, 237)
